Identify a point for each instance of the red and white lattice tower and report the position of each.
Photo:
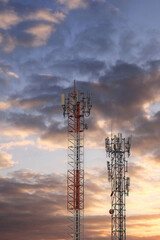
(76, 106)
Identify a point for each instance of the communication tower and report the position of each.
(117, 148)
(76, 106)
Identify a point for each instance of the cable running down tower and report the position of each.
(76, 106)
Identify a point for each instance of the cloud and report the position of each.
(42, 26)
(9, 18)
(53, 137)
(119, 86)
(7, 82)
(42, 22)
(146, 136)
(4, 105)
(4, 67)
(41, 94)
(114, 10)
(6, 160)
(5, 1)
(46, 15)
(31, 103)
(87, 68)
(10, 145)
(72, 4)
(85, 46)
(37, 202)
(22, 125)
(41, 33)
(13, 74)
(143, 238)
(136, 171)
(27, 196)
(7, 42)
(144, 217)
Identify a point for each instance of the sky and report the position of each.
(111, 48)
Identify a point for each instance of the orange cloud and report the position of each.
(72, 4)
(6, 160)
(13, 74)
(9, 18)
(51, 142)
(41, 32)
(46, 15)
(4, 105)
(10, 145)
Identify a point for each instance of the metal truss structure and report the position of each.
(76, 106)
(117, 148)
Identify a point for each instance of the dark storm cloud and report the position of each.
(125, 89)
(26, 122)
(154, 65)
(119, 95)
(44, 84)
(41, 92)
(119, 88)
(147, 137)
(129, 45)
(88, 68)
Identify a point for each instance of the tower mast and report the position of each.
(76, 106)
(116, 149)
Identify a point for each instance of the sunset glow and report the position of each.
(112, 49)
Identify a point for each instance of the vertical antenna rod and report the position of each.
(76, 106)
(116, 149)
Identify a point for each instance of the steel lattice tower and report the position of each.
(76, 106)
(117, 148)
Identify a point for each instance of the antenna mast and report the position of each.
(76, 107)
(116, 149)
